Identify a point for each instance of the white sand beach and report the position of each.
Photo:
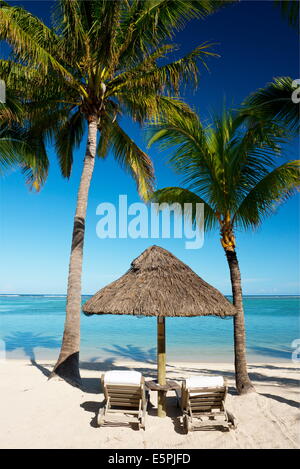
(37, 413)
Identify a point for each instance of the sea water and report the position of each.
(31, 326)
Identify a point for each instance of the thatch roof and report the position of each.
(159, 284)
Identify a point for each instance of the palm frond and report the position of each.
(143, 106)
(31, 40)
(159, 19)
(274, 102)
(21, 149)
(36, 168)
(188, 201)
(68, 137)
(193, 157)
(290, 11)
(106, 25)
(170, 76)
(176, 129)
(129, 156)
(273, 189)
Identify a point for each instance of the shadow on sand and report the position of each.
(254, 376)
(173, 412)
(268, 352)
(27, 341)
(132, 352)
(93, 385)
(282, 400)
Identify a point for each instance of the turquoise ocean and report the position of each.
(31, 326)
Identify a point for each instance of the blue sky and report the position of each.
(255, 44)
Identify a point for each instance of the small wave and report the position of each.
(9, 295)
(53, 296)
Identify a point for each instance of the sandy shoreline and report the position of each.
(36, 413)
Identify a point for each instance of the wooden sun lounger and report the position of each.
(126, 399)
(204, 407)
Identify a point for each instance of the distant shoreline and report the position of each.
(49, 295)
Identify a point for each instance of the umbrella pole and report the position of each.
(161, 365)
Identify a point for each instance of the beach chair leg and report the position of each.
(177, 399)
(141, 424)
(142, 412)
(100, 419)
(231, 420)
(187, 424)
(144, 418)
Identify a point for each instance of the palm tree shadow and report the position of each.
(253, 375)
(41, 368)
(283, 400)
(94, 365)
(27, 341)
(94, 408)
(133, 352)
(93, 385)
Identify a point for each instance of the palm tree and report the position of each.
(232, 169)
(99, 61)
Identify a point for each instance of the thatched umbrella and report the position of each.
(159, 284)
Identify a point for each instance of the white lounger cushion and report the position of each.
(123, 377)
(204, 382)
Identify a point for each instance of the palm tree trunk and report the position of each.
(243, 383)
(67, 366)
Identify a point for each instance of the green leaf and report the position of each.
(129, 156)
(274, 103)
(178, 195)
(67, 138)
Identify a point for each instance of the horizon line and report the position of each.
(91, 294)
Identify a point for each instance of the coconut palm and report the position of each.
(275, 103)
(233, 170)
(100, 60)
